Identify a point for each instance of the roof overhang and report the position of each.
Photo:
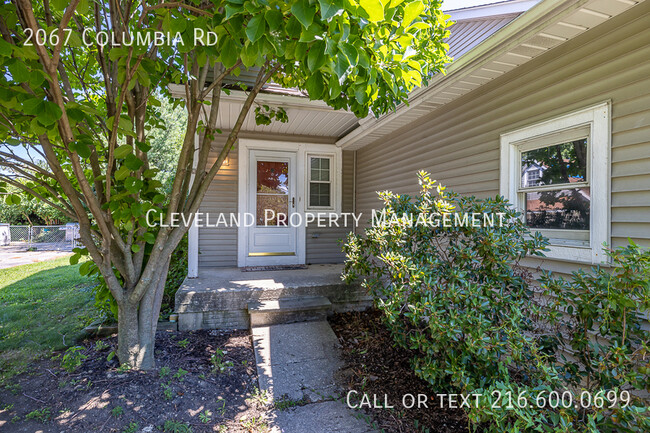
(543, 27)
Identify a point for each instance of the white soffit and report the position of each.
(543, 27)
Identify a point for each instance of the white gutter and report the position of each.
(490, 10)
(504, 40)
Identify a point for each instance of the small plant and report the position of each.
(40, 415)
(202, 376)
(124, 368)
(218, 363)
(288, 403)
(131, 428)
(180, 374)
(100, 345)
(117, 411)
(8, 407)
(164, 372)
(183, 343)
(72, 358)
(172, 426)
(222, 409)
(258, 397)
(253, 424)
(168, 394)
(205, 416)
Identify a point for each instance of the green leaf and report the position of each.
(122, 173)
(229, 53)
(249, 55)
(19, 71)
(12, 199)
(50, 113)
(81, 148)
(412, 11)
(350, 52)
(304, 12)
(341, 65)
(133, 162)
(316, 57)
(274, 19)
(5, 48)
(374, 8)
(60, 4)
(315, 86)
(255, 28)
(121, 151)
(329, 8)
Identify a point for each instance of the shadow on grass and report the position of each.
(43, 307)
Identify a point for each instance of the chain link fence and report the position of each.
(39, 238)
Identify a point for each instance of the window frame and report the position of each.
(597, 119)
(333, 182)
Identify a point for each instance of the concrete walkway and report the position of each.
(297, 362)
(12, 256)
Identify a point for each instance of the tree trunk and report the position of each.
(137, 323)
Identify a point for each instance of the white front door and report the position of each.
(272, 198)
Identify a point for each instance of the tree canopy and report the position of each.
(82, 82)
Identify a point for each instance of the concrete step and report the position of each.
(288, 310)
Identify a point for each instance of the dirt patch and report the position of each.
(382, 372)
(185, 388)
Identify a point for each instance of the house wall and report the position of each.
(459, 143)
(218, 246)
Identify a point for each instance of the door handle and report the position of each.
(293, 202)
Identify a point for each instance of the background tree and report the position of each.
(88, 108)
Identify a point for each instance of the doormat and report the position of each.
(272, 268)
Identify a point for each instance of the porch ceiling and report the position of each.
(306, 118)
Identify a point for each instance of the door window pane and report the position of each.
(564, 163)
(272, 177)
(272, 193)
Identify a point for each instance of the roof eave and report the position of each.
(539, 17)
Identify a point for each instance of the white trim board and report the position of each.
(597, 118)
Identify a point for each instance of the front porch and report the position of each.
(219, 298)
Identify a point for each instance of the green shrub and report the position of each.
(457, 298)
(450, 294)
(598, 315)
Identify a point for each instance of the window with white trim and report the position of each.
(556, 173)
(320, 182)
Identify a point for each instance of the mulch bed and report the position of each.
(86, 400)
(376, 367)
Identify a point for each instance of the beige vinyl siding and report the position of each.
(323, 244)
(459, 143)
(218, 245)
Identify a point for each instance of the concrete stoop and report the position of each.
(227, 298)
(288, 310)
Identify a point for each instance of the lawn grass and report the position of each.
(43, 307)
